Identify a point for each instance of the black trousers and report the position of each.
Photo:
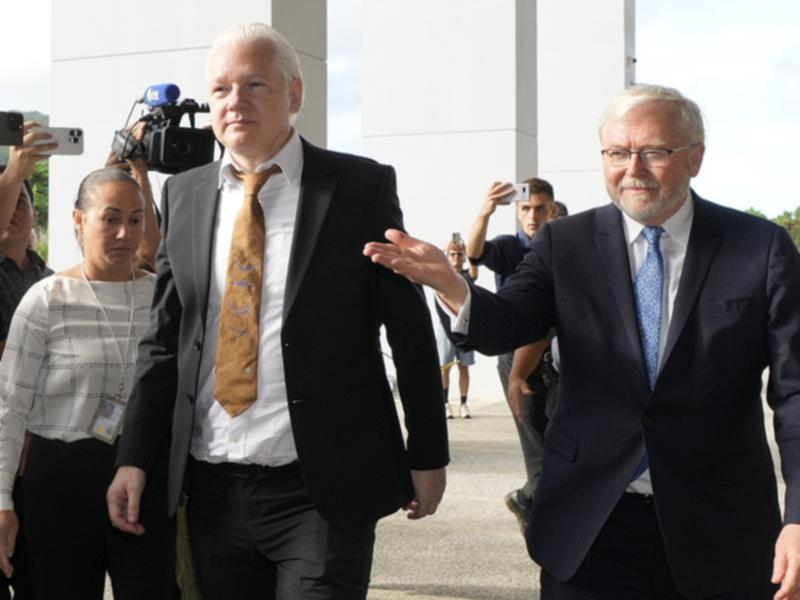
(71, 541)
(255, 534)
(628, 562)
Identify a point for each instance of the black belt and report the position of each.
(242, 470)
(635, 497)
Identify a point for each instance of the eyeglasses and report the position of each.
(652, 157)
(455, 254)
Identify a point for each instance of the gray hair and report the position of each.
(286, 57)
(636, 95)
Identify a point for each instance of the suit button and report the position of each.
(298, 401)
(287, 344)
(197, 346)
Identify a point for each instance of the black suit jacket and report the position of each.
(736, 313)
(351, 450)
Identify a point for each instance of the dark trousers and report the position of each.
(628, 562)
(531, 438)
(255, 534)
(72, 543)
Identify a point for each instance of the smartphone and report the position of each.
(69, 139)
(521, 193)
(457, 239)
(11, 128)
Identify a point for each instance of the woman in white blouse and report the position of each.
(65, 378)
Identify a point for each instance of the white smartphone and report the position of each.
(69, 139)
(521, 193)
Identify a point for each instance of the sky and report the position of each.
(738, 59)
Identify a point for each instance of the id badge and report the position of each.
(107, 420)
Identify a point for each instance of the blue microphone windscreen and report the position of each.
(163, 93)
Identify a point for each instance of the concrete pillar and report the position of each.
(449, 99)
(451, 93)
(102, 59)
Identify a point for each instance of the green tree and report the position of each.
(40, 181)
(791, 222)
(755, 213)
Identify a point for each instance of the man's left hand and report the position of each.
(428, 490)
(786, 566)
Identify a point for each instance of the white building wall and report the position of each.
(448, 98)
(451, 94)
(585, 56)
(104, 57)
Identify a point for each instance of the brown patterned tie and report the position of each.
(237, 348)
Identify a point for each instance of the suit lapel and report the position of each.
(316, 191)
(610, 241)
(205, 203)
(704, 242)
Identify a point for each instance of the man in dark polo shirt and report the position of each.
(502, 254)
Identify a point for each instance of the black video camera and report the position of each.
(167, 147)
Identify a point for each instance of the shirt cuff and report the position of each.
(461, 324)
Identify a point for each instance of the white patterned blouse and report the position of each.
(61, 359)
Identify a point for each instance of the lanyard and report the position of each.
(123, 359)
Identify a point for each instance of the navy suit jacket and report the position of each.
(737, 311)
(353, 458)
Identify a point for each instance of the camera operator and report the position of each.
(137, 167)
(20, 268)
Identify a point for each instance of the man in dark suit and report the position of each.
(284, 483)
(657, 478)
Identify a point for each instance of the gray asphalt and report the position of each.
(472, 547)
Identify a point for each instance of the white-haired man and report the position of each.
(264, 354)
(657, 478)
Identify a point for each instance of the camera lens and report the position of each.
(181, 148)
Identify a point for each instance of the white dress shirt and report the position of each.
(263, 433)
(673, 244)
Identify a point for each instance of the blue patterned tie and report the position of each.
(648, 289)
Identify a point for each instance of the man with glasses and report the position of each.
(658, 480)
(502, 255)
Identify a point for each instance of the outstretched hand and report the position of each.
(420, 262)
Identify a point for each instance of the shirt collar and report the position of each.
(289, 159)
(678, 226)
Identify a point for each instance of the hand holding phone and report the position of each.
(521, 193)
(69, 140)
(11, 129)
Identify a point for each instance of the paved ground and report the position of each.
(471, 549)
